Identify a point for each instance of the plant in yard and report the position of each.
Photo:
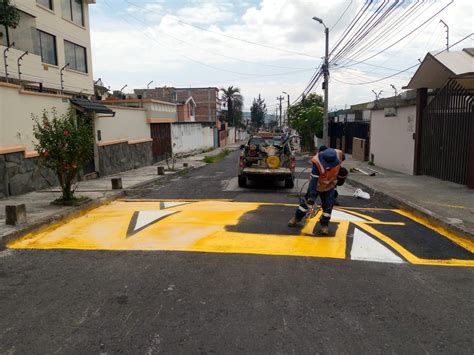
(170, 159)
(258, 111)
(64, 144)
(306, 117)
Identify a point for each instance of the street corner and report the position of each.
(222, 226)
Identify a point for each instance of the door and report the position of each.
(445, 136)
(161, 135)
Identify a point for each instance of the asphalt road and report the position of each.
(143, 302)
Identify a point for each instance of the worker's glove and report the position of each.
(341, 177)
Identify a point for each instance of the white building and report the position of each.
(45, 61)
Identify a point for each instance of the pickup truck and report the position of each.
(267, 156)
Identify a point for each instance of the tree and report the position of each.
(306, 117)
(234, 102)
(258, 111)
(65, 144)
(9, 17)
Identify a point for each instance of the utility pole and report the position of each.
(288, 105)
(326, 82)
(447, 34)
(280, 99)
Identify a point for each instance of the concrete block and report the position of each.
(15, 214)
(161, 170)
(117, 183)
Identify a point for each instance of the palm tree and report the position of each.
(234, 101)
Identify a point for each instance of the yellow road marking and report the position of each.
(463, 242)
(206, 226)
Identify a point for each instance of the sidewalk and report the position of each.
(40, 211)
(449, 204)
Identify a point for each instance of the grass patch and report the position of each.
(75, 201)
(216, 158)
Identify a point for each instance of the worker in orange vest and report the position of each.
(326, 174)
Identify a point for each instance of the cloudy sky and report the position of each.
(263, 46)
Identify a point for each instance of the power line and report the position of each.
(389, 29)
(194, 46)
(186, 56)
(365, 29)
(342, 15)
(381, 79)
(223, 34)
(408, 34)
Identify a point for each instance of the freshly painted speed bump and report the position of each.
(253, 228)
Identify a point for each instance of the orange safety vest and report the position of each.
(327, 179)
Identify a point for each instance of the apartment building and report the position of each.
(46, 61)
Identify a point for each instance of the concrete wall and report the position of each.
(16, 107)
(231, 137)
(188, 137)
(391, 140)
(125, 140)
(128, 124)
(51, 22)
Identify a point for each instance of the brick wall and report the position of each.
(207, 99)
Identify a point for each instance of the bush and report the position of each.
(65, 144)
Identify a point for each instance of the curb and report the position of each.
(82, 209)
(417, 210)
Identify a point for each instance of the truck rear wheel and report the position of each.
(289, 183)
(242, 181)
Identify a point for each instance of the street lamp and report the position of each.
(326, 81)
(288, 106)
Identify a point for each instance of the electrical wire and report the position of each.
(408, 34)
(386, 29)
(342, 15)
(390, 30)
(186, 56)
(377, 80)
(223, 34)
(194, 46)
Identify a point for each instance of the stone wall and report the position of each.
(19, 175)
(120, 157)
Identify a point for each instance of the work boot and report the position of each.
(292, 222)
(324, 230)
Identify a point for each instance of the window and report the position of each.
(75, 56)
(47, 48)
(45, 3)
(72, 10)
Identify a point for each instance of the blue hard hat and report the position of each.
(329, 158)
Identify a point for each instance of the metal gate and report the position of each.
(161, 135)
(342, 134)
(445, 135)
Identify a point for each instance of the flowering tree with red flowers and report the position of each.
(64, 144)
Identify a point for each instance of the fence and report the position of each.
(446, 133)
(341, 135)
